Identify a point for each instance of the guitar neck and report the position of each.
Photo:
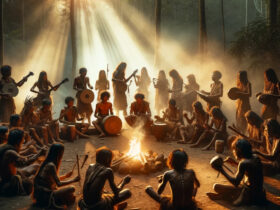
(26, 77)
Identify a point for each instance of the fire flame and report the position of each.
(135, 149)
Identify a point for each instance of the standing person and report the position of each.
(270, 109)
(97, 174)
(271, 161)
(249, 169)
(143, 82)
(213, 97)
(162, 86)
(190, 96)
(120, 87)
(16, 170)
(7, 103)
(44, 86)
(82, 83)
(177, 87)
(47, 180)
(183, 182)
(243, 102)
(103, 109)
(102, 84)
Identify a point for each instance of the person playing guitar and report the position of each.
(43, 85)
(7, 104)
(81, 83)
(120, 87)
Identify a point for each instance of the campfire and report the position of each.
(135, 161)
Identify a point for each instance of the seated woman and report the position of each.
(171, 117)
(198, 121)
(218, 120)
(249, 167)
(271, 162)
(183, 184)
(46, 194)
(103, 109)
(97, 174)
(16, 170)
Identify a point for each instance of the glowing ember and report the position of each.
(135, 149)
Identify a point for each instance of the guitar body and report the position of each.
(10, 89)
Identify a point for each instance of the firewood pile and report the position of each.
(143, 163)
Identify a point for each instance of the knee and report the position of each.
(71, 189)
(127, 193)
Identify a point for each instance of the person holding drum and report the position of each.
(171, 116)
(140, 112)
(69, 116)
(251, 192)
(81, 83)
(162, 86)
(270, 107)
(103, 109)
(7, 103)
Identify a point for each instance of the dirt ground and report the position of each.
(199, 161)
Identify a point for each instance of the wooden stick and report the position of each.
(78, 164)
(84, 161)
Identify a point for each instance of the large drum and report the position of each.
(159, 130)
(266, 98)
(233, 93)
(112, 125)
(86, 96)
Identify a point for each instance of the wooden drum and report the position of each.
(112, 125)
(131, 120)
(69, 133)
(159, 130)
(219, 146)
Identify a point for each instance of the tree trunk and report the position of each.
(1, 34)
(223, 24)
(272, 10)
(73, 36)
(158, 23)
(202, 29)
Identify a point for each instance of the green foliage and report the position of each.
(257, 44)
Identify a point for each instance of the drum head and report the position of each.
(10, 89)
(233, 93)
(112, 125)
(87, 96)
(264, 99)
(131, 120)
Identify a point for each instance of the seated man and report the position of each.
(14, 181)
(69, 116)
(96, 176)
(183, 184)
(3, 134)
(46, 119)
(171, 116)
(198, 121)
(140, 112)
(103, 109)
(271, 164)
(249, 170)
